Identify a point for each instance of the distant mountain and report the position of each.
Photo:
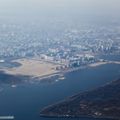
(103, 102)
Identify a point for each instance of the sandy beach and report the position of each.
(97, 64)
(103, 63)
(31, 67)
(42, 69)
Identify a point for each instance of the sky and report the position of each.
(56, 8)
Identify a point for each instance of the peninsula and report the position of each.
(103, 102)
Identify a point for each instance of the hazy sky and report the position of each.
(59, 7)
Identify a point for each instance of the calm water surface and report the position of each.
(26, 100)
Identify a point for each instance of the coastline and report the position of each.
(103, 63)
(80, 117)
(33, 68)
(48, 113)
(40, 70)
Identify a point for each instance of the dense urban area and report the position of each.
(60, 59)
(69, 46)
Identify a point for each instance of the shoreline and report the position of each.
(40, 70)
(91, 65)
(64, 101)
(81, 116)
(33, 68)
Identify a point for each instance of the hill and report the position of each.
(103, 102)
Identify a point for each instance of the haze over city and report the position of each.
(82, 9)
(59, 59)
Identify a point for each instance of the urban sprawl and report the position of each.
(69, 47)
